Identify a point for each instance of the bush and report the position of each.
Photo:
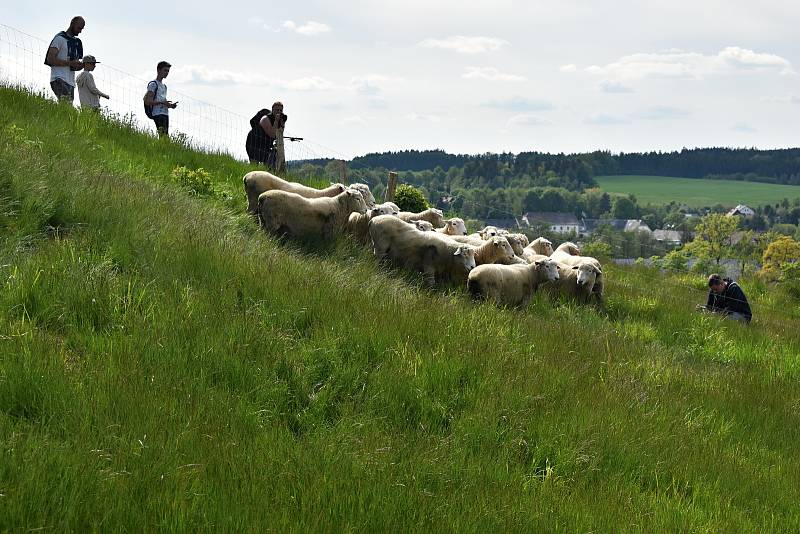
(675, 261)
(598, 249)
(198, 182)
(409, 198)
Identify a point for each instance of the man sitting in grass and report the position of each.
(727, 298)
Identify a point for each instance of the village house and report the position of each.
(742, 211)
(562, 223)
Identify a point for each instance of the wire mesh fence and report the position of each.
(204, 125)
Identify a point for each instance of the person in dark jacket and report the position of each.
(263, 131)
(726, 297)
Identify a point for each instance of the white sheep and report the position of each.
(567, 248)
(389, 208)
(257, 182)
(511, 285)
(569, 254)
(454, 226)
(494, 250)
(282, 212)
(366, 193)
(540, 245)
(488, 231)
(578, 281)
(358, 223)
(518, 242)
(436, 256)
(432, 215)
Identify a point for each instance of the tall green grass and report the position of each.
(164, 365)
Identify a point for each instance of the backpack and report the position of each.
(74, 49)
(148, 110)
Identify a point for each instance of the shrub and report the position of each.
(675, 261)
(409, 198)
(198, 182)
(598, 249)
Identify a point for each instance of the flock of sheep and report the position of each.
(494, 264)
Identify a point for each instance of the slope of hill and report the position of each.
(165, 365)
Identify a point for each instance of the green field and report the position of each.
(165, 366)
(697, 193)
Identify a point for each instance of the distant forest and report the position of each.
(780, 166)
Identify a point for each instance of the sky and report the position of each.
(467, 77)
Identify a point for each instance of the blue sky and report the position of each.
(469, 77)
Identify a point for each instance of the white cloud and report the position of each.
(568, 68)
(466, 45)
(657, 113)
(608, 86)
(680, 64)
(421, 117)
(792, 99)
(313, 83)
(604, 119)
(743, 128)
(491, 74)
(354, 120)
(370, 84)
(527, 120)
(518, 103)
(202, 75)
(311, 27)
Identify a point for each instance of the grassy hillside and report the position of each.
(164, 365)
(695, 192)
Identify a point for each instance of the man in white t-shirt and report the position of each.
(64, 58)
(156, 97)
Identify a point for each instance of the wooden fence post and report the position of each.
(391, 187)
(280, 157)
(344, 172)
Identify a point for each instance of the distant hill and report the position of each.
(780, 166)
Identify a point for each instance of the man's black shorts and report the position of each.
(162, 123)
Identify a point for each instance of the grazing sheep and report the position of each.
(488, 231)
(358, 223)
(435, 255)
(578, 282)
(511, 285)
(257, 182)
(432, 215)
(282, 212)
(540, 245)
(391, 206)
(423, 226)
(454, 226)
(567, 248)
(518, 243)
(494, 250)
(366, 193)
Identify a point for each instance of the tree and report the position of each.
(597, 249)
(713, 236)
(780, 254)
(624, 208)
(409, 198)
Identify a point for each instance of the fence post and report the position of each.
(344, 172)
(280, 159)
(391, 187)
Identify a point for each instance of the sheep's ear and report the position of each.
(496, 243)
(457, 252)
(598, 270)
(537, 263)
(575, 268)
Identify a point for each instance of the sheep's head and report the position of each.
(518, 242)
(366, 193)
(382, 209)
(455, 226)
(465, 258)
(549, 268)
(488, 232)
(423, 226)
(338, 188)
(542, 246)
(355, 201)
(587, 274)
(503, 248)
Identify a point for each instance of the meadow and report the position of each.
(166, 365)
(697, 193)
